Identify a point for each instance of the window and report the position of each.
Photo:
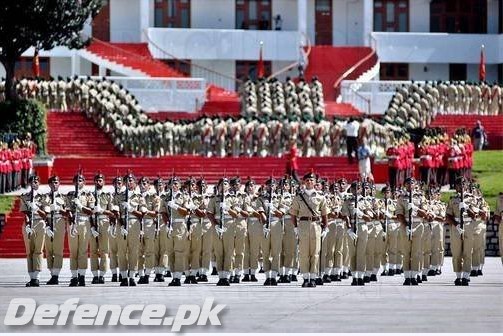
(253, 14)
(245, 69)
(172, 13)
(394, 71)
(458, 16)
(391, 15)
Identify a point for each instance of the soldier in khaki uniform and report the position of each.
(176, 210)
(195, 234)
(80, 205)
(33, 230)
(130, 202)
(55, 231)
(309, 215)
(288, 264)
(239, 226)
(462, 230)
(254, 233)
(99, 244)
(270, 215)
(411, 216)
(202, 229)
(149, 211)
(353, 211)
(374, 228)
(479, 212)
(112, 229)
(437, 207)
(386, 215)
(160, 233)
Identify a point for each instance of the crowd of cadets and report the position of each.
(16, 162)
(442, 159)
(327, 232)
(134, 133)
(416, 105)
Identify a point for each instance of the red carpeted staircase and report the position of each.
(492, 124)
(330, 63)
(72, 134)
(11, 239)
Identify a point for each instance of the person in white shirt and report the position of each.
(351, 130)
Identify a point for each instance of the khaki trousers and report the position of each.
(195, 245)
(462, 249)
(54, 248)
(206, 244)
(411, 248)
(34, 245)
(79, 244)
(271, 247)
(478, 243)
(357, 248)
(289, 250)
(328, 247)
(252, 244)
(437, 243)
(99, 251)
(309, 246)
(500, 235)
(380, 257)
(426, 246)
(128, 247)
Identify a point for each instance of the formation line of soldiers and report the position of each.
(328, 232)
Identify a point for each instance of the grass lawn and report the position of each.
(6, 203)
(488, 171)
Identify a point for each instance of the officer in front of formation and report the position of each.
(309, 216)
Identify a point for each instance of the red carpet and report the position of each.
(72, 134)
(492, 124)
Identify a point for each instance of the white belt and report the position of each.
(103, 217)
(37, 218)
(148, 221)
(179, 220)
(465, 220)
(56, 217)
(83, 217)
(287, 217)
(132, 218)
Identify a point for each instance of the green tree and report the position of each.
(43, 24)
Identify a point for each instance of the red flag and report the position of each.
(482, 65)
(36, 64)
(260, 67)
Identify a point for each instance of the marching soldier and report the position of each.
(270, 215)
(390, 232)
(411, 212)
(289, 252)
(115, 223)
(254, 233)
(99, 244)
(130, 202)
(437, 233)
(479, 212)
(202, 230)
(239, 214)
(498, 214)
(33, 230)
(80, 206)
(160, 233)
(176, 210)
(194, 249)
(309, 215)
(55, 230)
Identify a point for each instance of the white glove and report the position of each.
(191, 206)
(219, 230)
(94, 232)
(73, 231)
(389, 215)
(33, 206)
(224, 207)
(98, 209)
(352, 235)
(173, 205)
(266, 231)
(115, 208)
(126, 206)
(238, 210)
(359, 213)
(141, 233)
(462, 206)
(124, 232)
(77, 203)
(296, 232)
(324, 233)
(55, 207)
(143, 209)
(28, 230)
(460, 230)
(111, 231)
(169, 229)
(411, 206)
(49, 232)
(408, 231)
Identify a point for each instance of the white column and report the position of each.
(302, 19)
(368, 20)
(144, 18)
(75, 64)
(102, 71)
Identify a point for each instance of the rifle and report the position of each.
(126, 213)
(51, 223)
(158, 219)
(75, 197)
(410, 214)
(170, 212)
(202, 200)
(94, 219)
(385, 228)
(189, 220)
(282, 186)
(269, 212)
(355, 224)
(32, 213)
(461, 211)
(115, 220)
(222, 215)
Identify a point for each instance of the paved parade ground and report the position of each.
(386, 306)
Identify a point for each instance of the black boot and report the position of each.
(384, 273)
(335, 278)
(318, 281)
(236, 279)
(424, 278)
(175, 283)
(326, 278)
(132, 283)
(253, 278)
(479, 273)
(312, 283)
(33, 283)
(305, 283)
(95, 280)
(74, 282)
(101, 279)
(474, 273)
(124, 282)
(274, 282)
(53, 281)
(293, 278)
(144, 280)
(418, 279)
(457, 282)
(187, 280)
(120, 277)
(413, 281)
(361, 282)
(168, 274)
(406, 282)
(354, 282)
(114, 277)
(431, 273)
(464, 282)
(261, 270)
(246, 278)
(267, 282)
(82, 281)
(202, 278)
(192, 280)
(373, 277)
(214, 272)
(366, 279)
(344, 275)
(391, 272)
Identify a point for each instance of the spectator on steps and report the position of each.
(351, 130)
(479, 136)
